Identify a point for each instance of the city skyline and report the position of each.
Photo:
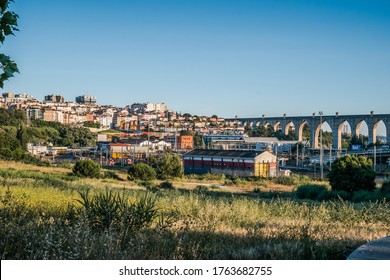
(229, 58)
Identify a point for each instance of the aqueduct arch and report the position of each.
(335, 122)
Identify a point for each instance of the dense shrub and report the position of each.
(169, 166)
(339, 195)
(86, 168)
(201, 189)
(385, 187)
(352, 173)
(314, 192)
(235, 180)
(257, 190)
(366, 196)
(166, 185)
(5, 153)
(285, 180)
(149, 186)
(141, 172)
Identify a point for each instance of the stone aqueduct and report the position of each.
(336, 123)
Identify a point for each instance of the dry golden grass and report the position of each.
(217, 224)
(22, 166)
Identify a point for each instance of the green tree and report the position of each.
(327, 139)
(261, 131)
(352, 173)
(39, 135)
(187, 133)
(67, 135)
(169, 166)
(359, 140)
(5, 153)
(91, 124)
(141, 171)
(199, 142)
(8, 24)
(22, 136)
(187, 116)
(305, 132)
(86, 168)
(11, 117)
(9, 141)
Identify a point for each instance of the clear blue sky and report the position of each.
(223, 57)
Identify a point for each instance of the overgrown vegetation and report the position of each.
(14, 136)
(61, 135)
(54, 215)
(385, 189)
(169, 166)
(314, 192)
(112, 210)
(142, 172)
(291, 180)
(86, 168)
(352, 173)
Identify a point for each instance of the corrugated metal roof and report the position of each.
(222, 153)
(119, 145)
(260, 139)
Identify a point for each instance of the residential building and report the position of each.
(49, 115)
(180, 142)
(54, 98)
(185, 142)
(24, 97)
(126, 121)
(105, 120)
(37, 149)
(172, 138)
(86, 100)
(148, 107)
(34, 113)
(8, 95)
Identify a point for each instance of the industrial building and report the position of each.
(235, 163)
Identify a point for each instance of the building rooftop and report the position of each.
(260, 139)
(223, 153)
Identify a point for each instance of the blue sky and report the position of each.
(223, 57)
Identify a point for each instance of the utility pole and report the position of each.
(122, 156)
(101, 157)
(321, 150)
(374, 157)
(297, 154)
(148, 145)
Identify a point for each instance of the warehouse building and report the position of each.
(235, 163)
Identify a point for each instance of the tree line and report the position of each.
(15, 134)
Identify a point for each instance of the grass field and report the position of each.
(44, 216)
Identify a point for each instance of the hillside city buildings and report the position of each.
(150, 128)
(151, 117)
